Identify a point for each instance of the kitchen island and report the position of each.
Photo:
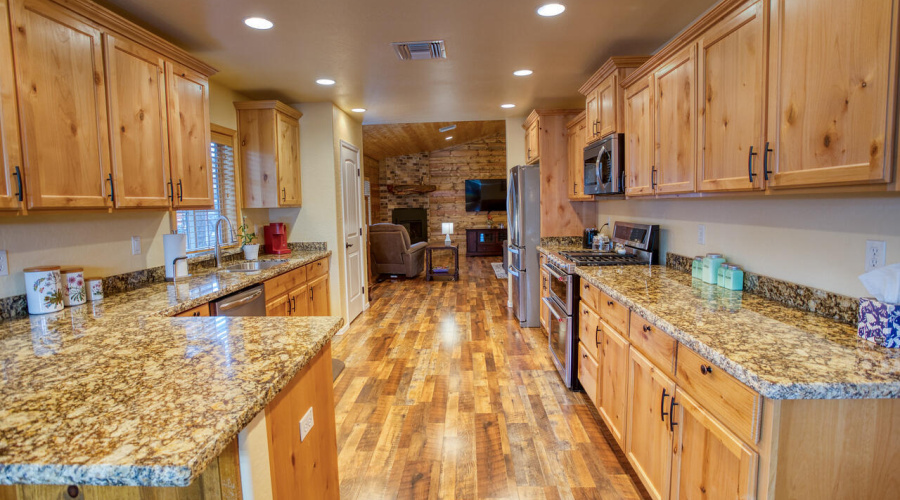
(119, 393)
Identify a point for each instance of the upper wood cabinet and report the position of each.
(575, 135)
(832, 92)
(732, 100)
(640, 145)
(532, 139)
(189, 137)
(12, 187)
(138, 124)
(675, 100)
(269, 132)
(62, 107)
(592, 115)
(605, 98)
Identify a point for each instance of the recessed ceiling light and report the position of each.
(325, 81)
(258, 23)
(551, 9)
(449, 137)
(507, 106)
(358, 110)
(523, 72)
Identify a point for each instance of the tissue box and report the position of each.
(879, 322)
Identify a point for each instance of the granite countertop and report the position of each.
(780, 352)
(119, 393)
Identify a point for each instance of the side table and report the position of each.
(429, 271)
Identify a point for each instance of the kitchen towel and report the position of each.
(883, 283)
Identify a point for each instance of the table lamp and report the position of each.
(447, 228)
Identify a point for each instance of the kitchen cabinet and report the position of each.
(605, 98)
(279, 306)
(189, 137)
(532, 140)
(675, 123)
(199, 311)
(832, 92)
(12, 185)
(648, 438)
(575, 136)
(62, 107)
(319, 304)
(301, 303)
(299, 292)
(708, 460)
(588, 369)
(640, 146)
(612, 389)
(138, 124)
(607, 103)
(269, 133)
(731, 63)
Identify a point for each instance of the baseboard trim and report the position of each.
(343, 330)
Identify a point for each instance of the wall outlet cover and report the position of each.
(701, 234)
(306, 424)
(875, 250)
(135, 245)
(4, 264)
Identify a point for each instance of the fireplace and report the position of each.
(415, 220)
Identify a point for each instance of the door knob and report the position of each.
(348, 245)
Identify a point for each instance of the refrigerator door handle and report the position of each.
(513, 272)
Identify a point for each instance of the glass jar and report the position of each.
(711, 264)
(697, 267)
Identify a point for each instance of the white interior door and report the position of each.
(353, 251)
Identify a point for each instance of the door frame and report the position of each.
(364, 260)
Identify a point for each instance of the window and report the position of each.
(200, 225)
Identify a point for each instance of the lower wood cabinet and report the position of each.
(318, 297)
(195, 312)
(300, 292)
(588, 370)
(612, 388)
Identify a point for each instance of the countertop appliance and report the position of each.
(275, 235)
(587, 241)
(523, 208)
(249, 302)
(604, 166)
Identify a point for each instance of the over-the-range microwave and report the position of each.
(604, 166)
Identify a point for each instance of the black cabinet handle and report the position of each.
(750, 164)
(647, 328)
(672, 422)
(20, 195)
(597, 335)
(766, 171)
(112, 187)
(293, 304)
(705, 369)
(180, 191)
(171, 191)
(662, 405)
(584, 355)
(283, 194)
(609, 303)
(653, 177)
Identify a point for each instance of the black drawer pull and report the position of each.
(609, 303)
(20, 195)
(647, 328)
(705, 369)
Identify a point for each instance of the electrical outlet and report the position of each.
(135, 245)
(701, 234)
(4, 264)
(306, 424)
(875, 250)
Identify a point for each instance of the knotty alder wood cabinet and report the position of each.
(269, 132)
(532, 139)
(123, 123)
(604, 97)
(742, 100)
(575, 137)
(299, 292)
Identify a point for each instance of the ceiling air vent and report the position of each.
(420, 50)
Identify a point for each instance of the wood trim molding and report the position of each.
(611, 64)
(574, 121)
(276, 105)
(117, 24)
(537, 113)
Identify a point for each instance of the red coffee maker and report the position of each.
(275, 236)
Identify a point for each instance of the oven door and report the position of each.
(562, 289)
(561, 331)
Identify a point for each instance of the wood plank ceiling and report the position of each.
(398, 139)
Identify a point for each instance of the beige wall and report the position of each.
(515, 155)
(819, 242)
(100, 242)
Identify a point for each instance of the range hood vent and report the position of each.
(414, 51)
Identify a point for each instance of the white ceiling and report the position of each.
(349, 41)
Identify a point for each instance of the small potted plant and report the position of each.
(251, 250)
(490, 221)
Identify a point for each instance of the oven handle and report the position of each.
(555, 310)
(557, 274)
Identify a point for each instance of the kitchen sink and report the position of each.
(253, 266)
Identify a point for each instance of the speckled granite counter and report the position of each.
(117, 393)
(780, 352)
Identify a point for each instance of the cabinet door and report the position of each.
(731, 104)
(532, 142)
(138, 124)
(588, 368)
(832, 93)
(189, 137)
(606, 101)
(612, 388)
(12, 185)
(675, 97)
(62, 107)
(592, 115)
(279, 306)
(639, 141)
(648, 440)
(709, 461)
(575, 137)
(319, 303)
(288, 130)
(300, 303)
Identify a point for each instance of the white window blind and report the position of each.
(200, 225)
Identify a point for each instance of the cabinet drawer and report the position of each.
(197, 311)
(587, 372)
(590, 330)
(733, 403)
(590, 295)
(658, 346)
(284, 282)
(614, 313)
(317, 268)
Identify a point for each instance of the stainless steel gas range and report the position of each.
(636, 244)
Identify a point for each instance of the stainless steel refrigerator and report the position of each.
(523, 210)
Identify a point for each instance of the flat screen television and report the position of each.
(486, 195)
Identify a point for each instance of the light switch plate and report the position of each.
(135, 245)
(4, 264)
(875, 250)
(306, 424)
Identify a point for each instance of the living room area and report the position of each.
(429, 183)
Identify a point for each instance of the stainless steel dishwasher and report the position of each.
(249, 302)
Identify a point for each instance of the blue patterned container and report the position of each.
(879, 322)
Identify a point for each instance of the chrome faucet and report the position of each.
(219, 238)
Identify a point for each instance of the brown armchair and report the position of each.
(392, 252)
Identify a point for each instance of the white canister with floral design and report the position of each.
(43, 289)
(74, 293)
(94, 288)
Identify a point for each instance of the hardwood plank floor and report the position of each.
(445, 396)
